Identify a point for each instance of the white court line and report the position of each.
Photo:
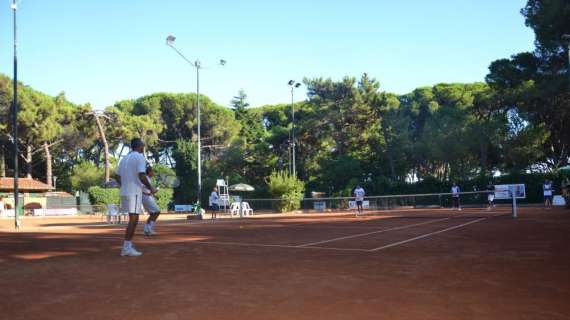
(245, 244)
(426, 235)
(369, 233)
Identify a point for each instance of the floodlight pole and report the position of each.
(293, 86)
(197, 65)
(566, 37)
(14, 8)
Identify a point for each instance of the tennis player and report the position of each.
(455, 191)
(131, 176)
(359, 197)
(150, 205)
(214, 202)
(547, 191)
(490, 196)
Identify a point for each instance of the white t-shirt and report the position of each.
(214, 198)
(359, 194)
(455, 190)
(547, 189)
(129, 169)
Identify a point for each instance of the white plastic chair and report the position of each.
(247, 210)
(234, 209)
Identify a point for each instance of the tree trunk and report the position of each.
(2, 163)
(105, 148)
(49, 174)
(390, 153)
(29, 161)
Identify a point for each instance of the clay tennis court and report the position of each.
(434, 264)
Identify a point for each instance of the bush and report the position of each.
(103, 196)
(164, 198)
(286, 187)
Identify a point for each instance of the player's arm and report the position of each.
(144, 180)
(141, 168)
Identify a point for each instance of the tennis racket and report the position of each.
(168, 181)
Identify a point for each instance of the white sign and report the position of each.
(504, 191)
(183, 207)
(319, 205)
(558, 201)
(365, 204)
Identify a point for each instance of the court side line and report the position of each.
(426, 235)
(369, 233)
(245, 244)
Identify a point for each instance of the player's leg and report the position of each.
(132, 205)
(150, 205)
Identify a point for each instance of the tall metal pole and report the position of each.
(568, 52)
(293, 131)
(15, 121)
(197, 65)
(566, 38)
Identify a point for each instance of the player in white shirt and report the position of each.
(547, 191)
(455, 191)
(214, 202)
(150, 205)
(359, 198)
(131, 176)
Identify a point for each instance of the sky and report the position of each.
(103, 51)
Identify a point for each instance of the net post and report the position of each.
(513, 196)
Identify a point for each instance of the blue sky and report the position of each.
(102, 51)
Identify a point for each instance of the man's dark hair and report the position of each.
(136, 143)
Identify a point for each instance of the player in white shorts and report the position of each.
(455, 191)
(131, 176)
(490, 196)
(150, 205)
(359, 198)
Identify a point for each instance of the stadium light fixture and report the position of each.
(14, 7)
(197, 65)
(294, 85)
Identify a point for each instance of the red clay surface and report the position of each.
(437, 265)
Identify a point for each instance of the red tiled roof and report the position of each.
(7, 184)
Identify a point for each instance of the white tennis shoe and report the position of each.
(130, 252)
(148, 231)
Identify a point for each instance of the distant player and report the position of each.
(150, 205)
(359, 197)
(131, 176)
(490, 196)
(214, 202)
(547, 191)
(455, 191)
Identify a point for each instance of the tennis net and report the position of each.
(476, 201)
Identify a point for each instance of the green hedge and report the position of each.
(105, 196)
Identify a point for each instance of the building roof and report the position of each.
(24, 184)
